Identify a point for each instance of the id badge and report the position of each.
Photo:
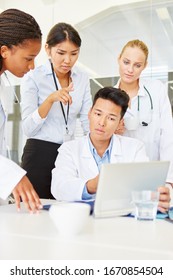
(66, 137)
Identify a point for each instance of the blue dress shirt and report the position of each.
(99, 161)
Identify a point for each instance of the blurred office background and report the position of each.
(104, 26)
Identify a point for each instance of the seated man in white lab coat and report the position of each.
(77, 166)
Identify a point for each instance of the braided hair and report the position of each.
(15, 27)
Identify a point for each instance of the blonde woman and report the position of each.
(149, 116)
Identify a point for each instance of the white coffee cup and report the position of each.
(70, 218)
(131, 123)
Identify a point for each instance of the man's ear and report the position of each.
(4, 51)
(89, 113)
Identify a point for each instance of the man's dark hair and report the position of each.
(115, 95)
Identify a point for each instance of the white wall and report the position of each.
(49, 12)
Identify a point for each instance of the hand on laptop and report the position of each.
(92, 185)
(164, 199)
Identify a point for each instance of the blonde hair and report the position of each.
(136, 43)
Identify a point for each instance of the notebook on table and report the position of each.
(118, 180)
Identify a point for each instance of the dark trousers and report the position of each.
(38, 160)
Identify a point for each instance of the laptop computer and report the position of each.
(118, 180)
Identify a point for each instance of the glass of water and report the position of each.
(146, 203)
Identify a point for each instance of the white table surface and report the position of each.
(34, 236)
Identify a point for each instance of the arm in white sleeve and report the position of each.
(31, 120)
(66, 182)
(10, 175)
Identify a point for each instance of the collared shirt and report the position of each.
(36, 86)
(99, 161)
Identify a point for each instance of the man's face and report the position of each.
(104, 118)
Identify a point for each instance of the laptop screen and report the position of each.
(118, 180)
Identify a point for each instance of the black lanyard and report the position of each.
(65, 118)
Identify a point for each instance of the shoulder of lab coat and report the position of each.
(127, 149)
(10, 175)
(75, 164)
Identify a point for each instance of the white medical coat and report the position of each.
(158, 135)
(75, 164)
(10, 172)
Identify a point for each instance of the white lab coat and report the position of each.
(158, 134)
(10, 175)
(10, 172)
(75, 164)
(3, 118)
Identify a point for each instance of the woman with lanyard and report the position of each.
(52, 96)
(20, 42)
(149, 116)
